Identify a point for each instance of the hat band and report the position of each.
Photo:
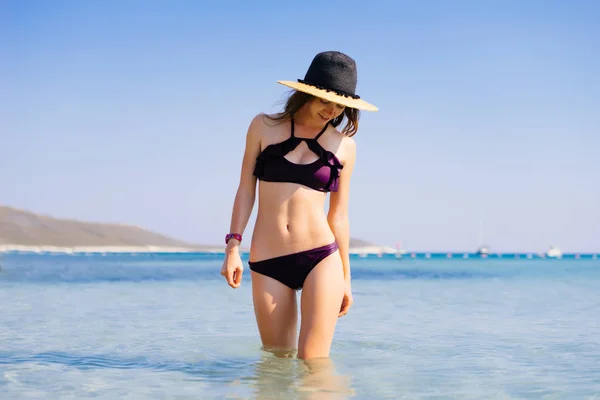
(337, 91)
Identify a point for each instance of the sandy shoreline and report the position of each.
(13, 248)
(102, 249)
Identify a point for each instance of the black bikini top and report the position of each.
(322, 174)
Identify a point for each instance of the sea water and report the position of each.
(160, 326)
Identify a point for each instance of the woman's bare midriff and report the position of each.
(291, 218)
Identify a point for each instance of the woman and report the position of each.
(299, 156)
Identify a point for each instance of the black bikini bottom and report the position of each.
(292, 269)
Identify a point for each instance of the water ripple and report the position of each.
(207, 368)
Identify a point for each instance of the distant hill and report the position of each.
(25, 228)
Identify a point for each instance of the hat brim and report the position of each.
(331, 96)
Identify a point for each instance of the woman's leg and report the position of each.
(322, 297)
(276, 312)
(320, 376)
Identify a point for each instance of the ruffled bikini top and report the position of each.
(322, 174)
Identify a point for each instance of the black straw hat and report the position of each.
(332, 76)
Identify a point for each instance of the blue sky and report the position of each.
(136, 112)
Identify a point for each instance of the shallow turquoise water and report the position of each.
(167, 326)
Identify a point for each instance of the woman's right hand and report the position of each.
(232, 268)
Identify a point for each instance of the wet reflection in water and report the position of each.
(280, 375)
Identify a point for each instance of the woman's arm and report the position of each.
(246, 192)
(337, 216)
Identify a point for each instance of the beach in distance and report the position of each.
(24, 231)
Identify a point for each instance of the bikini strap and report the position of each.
(316, 137)
(322, 131)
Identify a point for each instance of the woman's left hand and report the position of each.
(347, 300)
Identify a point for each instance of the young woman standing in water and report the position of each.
(299, 156)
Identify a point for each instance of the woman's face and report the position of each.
(324, 110)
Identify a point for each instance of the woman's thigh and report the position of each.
(276, 312)
(322, 297)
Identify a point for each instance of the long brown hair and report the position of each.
(298, 99)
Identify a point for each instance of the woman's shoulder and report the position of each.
(343, 139)
(268, 128)
(344, 145)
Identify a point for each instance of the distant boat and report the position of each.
(483, 251)
(554, 252)
(399, 250)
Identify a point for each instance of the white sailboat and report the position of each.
(483, 251)
(554, 252)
